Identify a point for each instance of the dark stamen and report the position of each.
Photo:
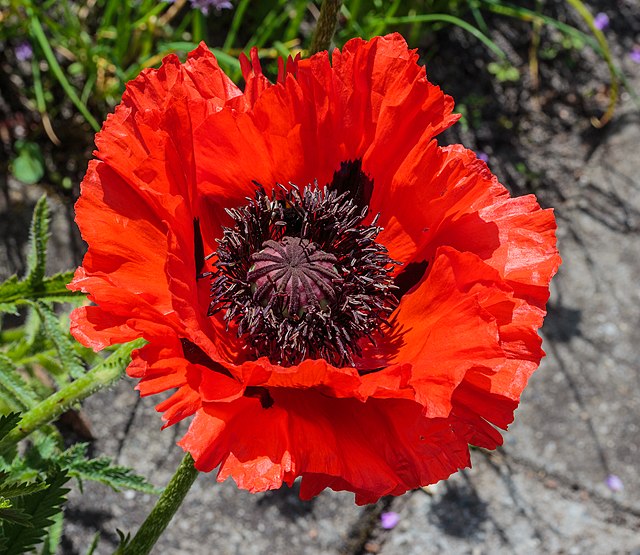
(301, 277)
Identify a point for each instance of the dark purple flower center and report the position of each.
(298, 271)
(300, 276)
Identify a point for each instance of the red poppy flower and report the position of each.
(330, 293)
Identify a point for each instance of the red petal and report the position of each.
(423, 323)
(376, 448)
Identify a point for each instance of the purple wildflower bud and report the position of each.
(389, 520)
(24, 51)
(204, 5)
(601, 21)
(635, 54)
(614, 483)
(482, 156)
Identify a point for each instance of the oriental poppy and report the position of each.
(327, 291)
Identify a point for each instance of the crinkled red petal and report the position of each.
(376, 448)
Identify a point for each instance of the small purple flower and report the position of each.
(389, 520)
(614, 483)
(635, 54)
(24, 51)
(601, 21)
(204, 5)
(482, 156)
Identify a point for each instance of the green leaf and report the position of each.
(52, 541)
(8, 422)
(102, 375)
(35, 286)
(46, 446)
(8, 308)
(18, 489)
(28, 165)
(504, 71)
(14, 292)
(15, 516)
(41, 506)
(40, 37)
(8, 290)
(19, 391)
(38, 239)
(69, 358)
(102, 470)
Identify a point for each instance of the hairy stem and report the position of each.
(163, 512)
(326, 26)
(103, 375)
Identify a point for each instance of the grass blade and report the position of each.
(41, 39)
(446, 18)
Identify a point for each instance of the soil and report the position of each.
(545, 491)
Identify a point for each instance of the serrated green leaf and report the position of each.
(48, 444)
(15, 385)
(8, 422)
(9, 292)
(14, 292)
(15, 516)
(27, 340)
(41, 506)
(9, 308)
(38, 239)
(62, 341)
(33, 332)
(52, 541)
(12, 335)
(7, 401)
(16, 489)
(102, 470)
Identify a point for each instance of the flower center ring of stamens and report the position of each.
(300, 276)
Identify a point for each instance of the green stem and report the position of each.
(103, 375)
(163, 512)
(326, 26)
